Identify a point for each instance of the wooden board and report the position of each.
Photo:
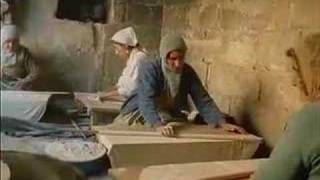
(220, 170)
(100, 112)
(144, 146)
(125, 151)
(189, 131)
(106, 106)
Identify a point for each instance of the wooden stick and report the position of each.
(292, 53)
(78, 128)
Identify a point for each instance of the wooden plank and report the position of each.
(106, 106)
(100, 112)
(146, 142)
(125, 151)
(248, 144)
(192, 131)
(40, 92)
(219, 170)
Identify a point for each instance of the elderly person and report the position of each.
(297, 155)
(18, 69)
(6, 11)
(127, 48)
(162, 97)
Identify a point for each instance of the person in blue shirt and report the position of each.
(163, 88)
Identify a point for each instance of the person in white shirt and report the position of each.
(127, 48)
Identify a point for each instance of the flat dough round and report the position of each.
(75, 150)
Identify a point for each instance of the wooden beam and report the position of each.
(132, 146)
(194, 132)
(219, 170)
(126, 151)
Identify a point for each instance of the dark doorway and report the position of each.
(82, 10)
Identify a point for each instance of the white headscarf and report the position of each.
(4, 7)
(8, 32)
(128, 81)
(126, 36)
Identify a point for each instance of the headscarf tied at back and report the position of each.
(126, 36)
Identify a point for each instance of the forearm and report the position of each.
(209, 111)
(205, 105)
(31, 67)
(107, 95)
(31, 76)
(113, 88)
(203, 102)
(149, 112)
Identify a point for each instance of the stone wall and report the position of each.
(76, 55)
(238, 47)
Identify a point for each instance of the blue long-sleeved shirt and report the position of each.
(152, 85)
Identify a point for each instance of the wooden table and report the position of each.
(99, 111)
(88, 99)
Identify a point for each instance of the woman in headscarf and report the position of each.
(127, 48)
(18, 69)
(297, 155)
(164, 86)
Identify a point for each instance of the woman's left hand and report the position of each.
(23, 85)
(233, 128)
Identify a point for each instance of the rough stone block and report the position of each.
(305, 14)
(240, 52)
(203, 20)
(209, 50)
(143, 14)
(232, 19)
(175, 18)
(271, 51)
(281, 15)
(234, 81)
